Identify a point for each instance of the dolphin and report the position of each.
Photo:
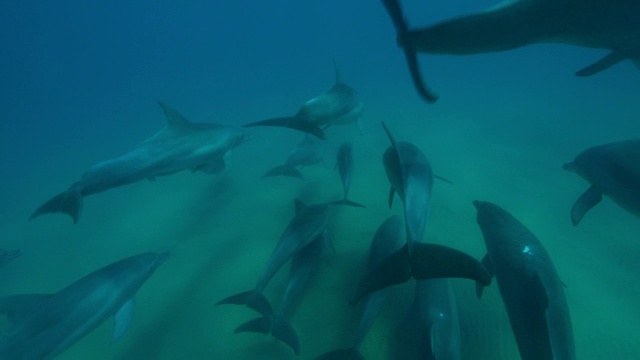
(612, 169)
(308, 223)
(308, 152)
(410, 176)
(45, 325)
(601, 24)
(8, 255)
(338, 106)
(304, 265)
(180, 145)
(529, 285)
(386, 241)
(344, 163)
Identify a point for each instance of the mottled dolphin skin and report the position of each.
(410, 175)
(180, 145)
(308, 152)
(338, 106)
(45, 325)
(309, 223)
(344, 163)
(8, 255)
(529, 285)
(601, 24)
(612, 169)
(386, 241)
(304, 265)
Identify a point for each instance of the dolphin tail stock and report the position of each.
(284, 170)
(342, 354)
(347, 202)
(277, 327)
(252, 299)
(395, 12)
(68, 202)
(291, 122)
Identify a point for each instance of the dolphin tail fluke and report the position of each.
(284, 170)
(291, 122)
(347, 202)
(68, 202)
(341, 354)
(432, 261)
(252, 299)
(278, 328)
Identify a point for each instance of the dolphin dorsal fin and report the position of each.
(175, 120)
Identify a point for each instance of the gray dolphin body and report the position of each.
(338, 106)
(386, 241)
(8, 255)
(308, 224)
(612, 169)
(181, 145)
(308, 152)
(344, 162)
(410, 175)
(43, 325)
(529, 285)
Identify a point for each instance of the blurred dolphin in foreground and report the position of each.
(612, 169)
(180, 145)
(308, 152)
(410, 175)
(386, 241)
(308, 224)
(8, 255)
(338, 106)
(303, 267)
(529, 285)
(344, 159)
(45, 325)
(601, 24)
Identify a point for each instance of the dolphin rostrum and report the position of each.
(45, 325)
(338, 106)
(309, 223)
(344, 163)
(410, 176)
(529, 285)
(8, 255)
(180, 145)
(612, 169)
(601, 24)
(308, 152)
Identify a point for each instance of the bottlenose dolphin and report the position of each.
(308, 152)
(338, 106)
(308, 223)
(529, 285)
(344, 163)
(601, 24)
(385, 242)
(180, 145)
(8, 255)
(303, 266)
(612, 169)
(410, 175)
(45, 325)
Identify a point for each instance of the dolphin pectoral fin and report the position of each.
(284, 170)
(585, 202)
(606, 62)
(395, 269)
(8, 255)
(347, 202)
(291, 122)
(68, 202)
(16, 306)
(260, 325)
(442, 179)
(342, 354)
(488, 264)
(431, 261)
(123, 318)
(252, 299)
(392, 193)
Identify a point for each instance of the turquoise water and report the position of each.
(80, 85)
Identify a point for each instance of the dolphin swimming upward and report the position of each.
(45, 325)
(308, 152)
(180, 145)
(601, 24)
(344, 163)
(338, 106)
